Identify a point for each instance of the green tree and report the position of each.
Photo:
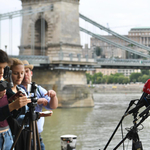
(103, 79)
(88, 77)
(134, 77)
(120, 79)
(126, 80)
(96, 78)
(115, 80)
(145, 72)
(144, 78)
(110, 79)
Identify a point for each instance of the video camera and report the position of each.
(7, 75)
(32, 88)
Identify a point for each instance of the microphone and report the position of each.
(143, 101)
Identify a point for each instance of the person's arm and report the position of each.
(54, 100)
(4, 112)
(18, 103)
(48, 99)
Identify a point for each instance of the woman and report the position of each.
(18, 71)
(6, 108)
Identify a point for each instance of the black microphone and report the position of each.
(143, 100)
(143, 114)
(145, 111)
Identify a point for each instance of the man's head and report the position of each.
(28, 73)
(4, 61)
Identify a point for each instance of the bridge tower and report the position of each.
(55, 33)
(48, 32)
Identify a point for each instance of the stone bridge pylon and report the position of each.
(55, 33)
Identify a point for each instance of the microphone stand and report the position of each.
(132, 134)
(125, 114)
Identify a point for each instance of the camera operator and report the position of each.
(47, 99)
(17, 68)
(6, 108)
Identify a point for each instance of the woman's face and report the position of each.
(17, 74)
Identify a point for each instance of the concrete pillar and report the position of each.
(70, 86)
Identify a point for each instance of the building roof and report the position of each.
(141, 28)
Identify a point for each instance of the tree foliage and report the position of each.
(134, 77)
(99, 78)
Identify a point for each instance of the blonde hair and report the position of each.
(15, 62)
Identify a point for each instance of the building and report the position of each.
(138, 34)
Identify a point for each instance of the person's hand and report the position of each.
(18, 103)
(2, 93)
(51, 93)
(15, 96)
(42, 101)
(21, 101)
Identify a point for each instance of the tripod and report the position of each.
(132, 134)
(30, 117)
(130, 104)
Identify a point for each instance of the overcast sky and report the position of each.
(118, 15)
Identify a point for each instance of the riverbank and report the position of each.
(117, 88)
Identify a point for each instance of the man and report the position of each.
(45, 99)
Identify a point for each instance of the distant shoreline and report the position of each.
(117, 88)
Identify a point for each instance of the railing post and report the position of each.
(61, 52)
(95, 57)
(79, 57)
(86, 56)
(71, 56)
(61, 55)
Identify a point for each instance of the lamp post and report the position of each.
(6, 48)
(61, 53)
(131, 55)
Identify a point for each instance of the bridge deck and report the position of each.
(123, 63)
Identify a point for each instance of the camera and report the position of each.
(7, 75)
(7, 72)
(32, 88)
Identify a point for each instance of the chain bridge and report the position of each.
(76, 61)
(50, 40)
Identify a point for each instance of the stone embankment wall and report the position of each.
(117, 88)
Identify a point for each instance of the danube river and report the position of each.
(94, 126)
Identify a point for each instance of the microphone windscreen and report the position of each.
(146, 87)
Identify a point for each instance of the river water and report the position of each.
(94, 126)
